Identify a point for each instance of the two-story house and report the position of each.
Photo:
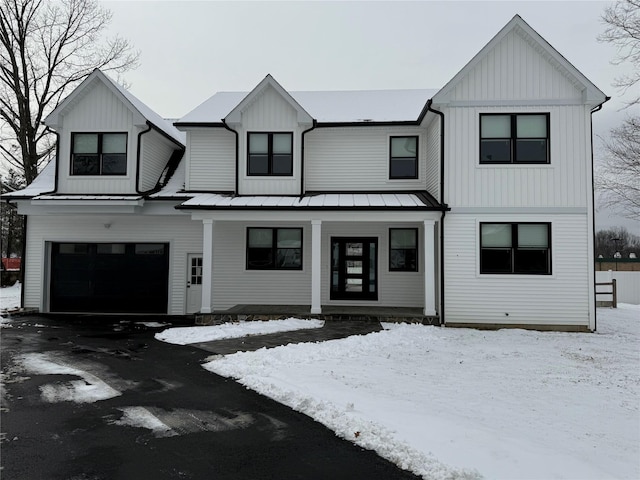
(467, 205)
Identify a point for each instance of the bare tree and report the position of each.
(47, 49)
(618, 179)
(622, 21)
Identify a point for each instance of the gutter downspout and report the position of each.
(224, 124)
(593, 209)
(302, 189)
(444, 210)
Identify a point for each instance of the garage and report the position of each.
(109, 277)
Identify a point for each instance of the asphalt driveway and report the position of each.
(213, 427)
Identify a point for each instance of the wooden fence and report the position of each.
(612, 291)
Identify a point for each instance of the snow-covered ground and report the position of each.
(10, 297)
(462, 403)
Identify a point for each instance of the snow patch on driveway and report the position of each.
(179, 421)
(186, 335)
(89, 389)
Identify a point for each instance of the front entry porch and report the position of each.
(329, 313)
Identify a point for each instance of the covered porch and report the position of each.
(348, 256)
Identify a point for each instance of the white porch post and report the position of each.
(316, 263)
(429, 268)
(207, 264)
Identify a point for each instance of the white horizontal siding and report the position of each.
(211, 157)
(98, 111)
(558, 299)
(562, 183)
(432, 176)
(183, 235)
(155, 153)
(514, 70)
(233, 284)
(357, 158)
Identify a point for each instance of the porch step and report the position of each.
(228, 316)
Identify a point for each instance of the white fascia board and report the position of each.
(353, 216)
(25, 208)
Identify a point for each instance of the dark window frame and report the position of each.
(417, 251)
(274, 249)
(99, 153)
(392, 158)
(513, 138)
(270, 155)
(514, 250)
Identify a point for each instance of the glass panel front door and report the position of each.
(354, 269)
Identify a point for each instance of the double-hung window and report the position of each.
(274, 248)
(270, 154)
(523, 248)
(403, 157)
(403, 249)
(99, 154)
(514, 138)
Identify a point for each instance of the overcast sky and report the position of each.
(190, 50)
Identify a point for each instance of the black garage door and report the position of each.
(109, 277)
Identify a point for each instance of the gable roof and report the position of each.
(355, 106)
(234, 116)
(591, 94)
(142, 113)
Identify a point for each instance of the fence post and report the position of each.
(615, 297)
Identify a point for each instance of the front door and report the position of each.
(194, 283)
(354, 268)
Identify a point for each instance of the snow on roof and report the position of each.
(44, 182)
(163, 124)
(318, 201)
(175, 185)
(330, 106)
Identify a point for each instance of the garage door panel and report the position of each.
(109, 278)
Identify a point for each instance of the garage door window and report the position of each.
(74, 248)
(149, 249)
(111, 248)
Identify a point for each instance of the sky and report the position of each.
(191, 50)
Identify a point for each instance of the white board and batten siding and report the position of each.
(269, 112)
(561, 298)
(564, 182)
(98, 111)
(357, 158)
(183, 235)
(433, 149)
(211, 160)
(155, 152)
(515, 70)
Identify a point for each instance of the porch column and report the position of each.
(316, 263)
(207, 264)
(429, 268)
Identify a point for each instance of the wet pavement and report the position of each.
(160, 414)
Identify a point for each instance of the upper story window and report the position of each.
(274, 248)
(270, 154)
(98, 154)
(403, 249)
(514, 138)
(523, 248)
(403, 157)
